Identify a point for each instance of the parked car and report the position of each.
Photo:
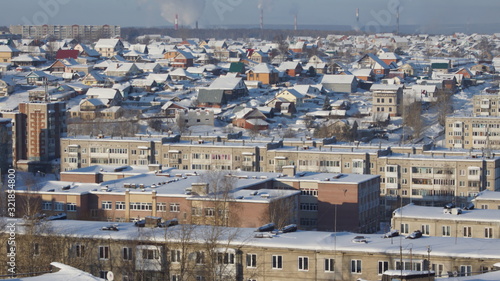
(392, 233)
(414, 235)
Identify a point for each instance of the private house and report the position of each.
(109, 47)
(170, 108)
(441, 66)
(387, 99)
(7, 53)
(233, 87)
(251, 119)
(122, 70)
(112, 97)
(291, 68)
(340, 83)
(183, 59)
(93, 78)
(7, 86)
(195, 117)
(389, 57)
(408, 69)
(379, 67)
(298, 47)
(86, 51)
(259, 57)
(93, 108)
(40, 78)
(282, 106)
(292, 95)
(319, 65)
(266, 74)
(67, 54)
(365, 74)
(27, 60)
(215, 98)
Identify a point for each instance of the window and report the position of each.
(225, 258)
(103, 274)
(488, 232)
(176, 277)
(59, 206)
(127, 254)
(329, 265)
(446, 230)
(103, 252)
(404, 228)
(71, 207)
(175, 207)
(355, 266)
(200, 257)
(150, 254)
(438, 268)
(36, 249)
(484, 206)
(252, 260)
(107, 205)
(425, 229)
(80, 250)
(209, 212)
(304, 263)
(47, 206)
(465, 270)
(120, 205)
(467, 231)
(383, 266)
(277, 262)
(175, 256)
(161, 207)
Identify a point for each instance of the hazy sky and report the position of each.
(227, 12)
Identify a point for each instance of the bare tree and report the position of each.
(443, 105)
(412, 117)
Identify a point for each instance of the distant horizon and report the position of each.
(373, 15)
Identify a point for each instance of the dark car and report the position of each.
(414, 235)
(392, 233)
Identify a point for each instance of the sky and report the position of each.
(225, 13)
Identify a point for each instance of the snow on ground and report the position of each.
(65, 273)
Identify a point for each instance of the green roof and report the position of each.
(238, 67)
(440, 65)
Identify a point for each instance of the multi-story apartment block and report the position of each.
(486, 105)
(473, 132)
(208, 253)
(45, 125)
(387, 99)
(5, 145)
(310, 200)
(82, 32)
(408, 174)
(453, 222)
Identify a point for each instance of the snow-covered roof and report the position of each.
(437, 213)
(65, 273)
(337, 79)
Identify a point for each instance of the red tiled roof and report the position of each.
(64, 54)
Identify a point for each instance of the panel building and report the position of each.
(83, 32)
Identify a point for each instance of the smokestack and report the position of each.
(196, 24)
(176, 22)
(397, 20)
(261, 18)
(295, 23)
(357, 16)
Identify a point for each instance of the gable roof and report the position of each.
(337, 79)
(213, 96)
(64, 54)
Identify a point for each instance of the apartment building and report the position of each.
(469, 132)
(45, 125)
(453, 222)
(387, 99)
(5, 145)
(208, 253)
(486, 105)
(423, 175)
(124, 193)
(82, 32)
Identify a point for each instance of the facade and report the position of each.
(487, 200)
(188, 252)
(486, 105)
(6, 142)
(411, 174)
(45, 125)
(122, 193)
(83, 32)
(387, 99)
(473, 132)
(439, 221)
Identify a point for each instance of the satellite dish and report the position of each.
(110, 276)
